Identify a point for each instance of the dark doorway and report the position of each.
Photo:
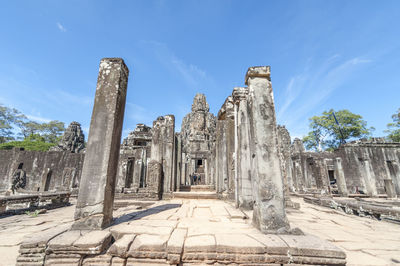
(47, 183)
(129, 172)
(332, 179)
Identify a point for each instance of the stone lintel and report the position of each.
(258, 71)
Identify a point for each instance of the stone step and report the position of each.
(196, 188)
(195, 195)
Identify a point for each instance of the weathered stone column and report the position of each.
(369, 178)
(96, 192)
(245, 195)
(269, 211)
(341, 181)
(178, 162)
(163, 149)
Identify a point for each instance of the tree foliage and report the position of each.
(35, 136)
(394, 128)
(325, 134)
(29, 145)
(9, 118)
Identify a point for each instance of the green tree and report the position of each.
(9, 117)
(394, 128)
(36, 136)
(52, 131)
(325, 134)
(29, 128)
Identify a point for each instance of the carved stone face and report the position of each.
(200, 103)
(198, 122)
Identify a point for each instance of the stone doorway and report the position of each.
(47, 183)
(129, 172)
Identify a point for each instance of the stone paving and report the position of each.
(365, 241)
(212, 227)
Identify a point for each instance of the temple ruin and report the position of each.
(240, 156)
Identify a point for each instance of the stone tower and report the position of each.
(73, 139)
(198, 140)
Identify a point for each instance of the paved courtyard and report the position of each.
(365, 241)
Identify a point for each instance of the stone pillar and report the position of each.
(162, 149)
(396, 177)
(369, 178)
(183, 171)
(218, 156)
(245, 193)
(230, 147)
(137, 171)
(390, 192)
(340, 178)
(178, 163)
(269, 210)
(96, 192)
(235, 113)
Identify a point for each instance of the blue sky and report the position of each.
(323, 54)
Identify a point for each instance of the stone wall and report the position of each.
(370, 167)
(134, 156)
(44, 171)
(367, 164)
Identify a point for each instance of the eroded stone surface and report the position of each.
(97, 186)
(193, 239)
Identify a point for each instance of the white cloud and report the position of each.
(193, 75)
(139, 114)
(308, 90)
(61, 27)
(38, 118)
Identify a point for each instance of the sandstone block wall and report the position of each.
(45, 171)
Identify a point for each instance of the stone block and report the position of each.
(273, 244)
(63, 259)
(121, 246)
(65, 240)
(165, 223)
(308, 245)
(97, 260)
(122, 229)
(238, 244)
(200, 243)
(258, 71)
(175, 242)
(94, 242)
(150, 242)
(115, 261)
(146, 262)
(149, 246)
(41, 238)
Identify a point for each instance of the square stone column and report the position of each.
(269, 212)
(245, 191)
(340, 178)
(97, 186)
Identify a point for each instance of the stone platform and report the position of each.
(177, 232)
